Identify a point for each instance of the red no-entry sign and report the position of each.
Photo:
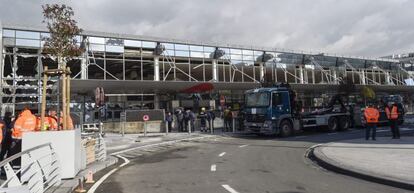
(145, 118)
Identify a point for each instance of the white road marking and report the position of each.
(213, 168)
(332, 133)
(157, 144)
(103, 178)
(229, 189)
(244, 145)
(221, 155)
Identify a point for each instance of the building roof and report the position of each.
(212, 44)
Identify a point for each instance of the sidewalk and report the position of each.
(387, 161)
(114, 143)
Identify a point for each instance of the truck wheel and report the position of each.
(343, 123)
(286, 129)
(332, 124)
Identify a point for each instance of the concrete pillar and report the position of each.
(262, 71)
(156, 101)
(301, 76)
(156, 68)
(335, 76)
(214, 70)
(362, 77)
(84, 68)
(387, 78)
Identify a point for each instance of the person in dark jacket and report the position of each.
(169, 119)
(203, 120)
(180, 119)
(7, 138)
(192, 118)
(210, 118)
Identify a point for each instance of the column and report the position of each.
(156, 68)
(215, 70)
(156, 101)
(262, 71)
(387, 78)
(335, 81)
(362, 77)
(84, 67)
(301, 76)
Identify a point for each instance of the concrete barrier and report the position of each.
(134, 127)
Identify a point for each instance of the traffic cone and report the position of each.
(89, 178)
(80, 188)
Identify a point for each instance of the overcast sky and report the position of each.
(350, 27)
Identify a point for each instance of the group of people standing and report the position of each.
(185, 119)
(12, 129)
(372, 115)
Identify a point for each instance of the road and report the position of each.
(237, 164)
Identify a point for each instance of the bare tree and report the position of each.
(62, 46)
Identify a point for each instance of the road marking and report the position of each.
(103, 178)
(229, 189)
(213, 168)
(158, 144)
(332, 133)
(244, 145)
(221, 155)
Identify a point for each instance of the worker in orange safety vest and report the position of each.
(26, 122)
(392, 115)
(52, 118)
(69, 123)
(371, 115)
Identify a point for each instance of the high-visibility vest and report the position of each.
(53, 125)
(45, 126)
(393, 114)
(26, 122)
(371, 115)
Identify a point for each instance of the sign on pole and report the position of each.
(145, 118)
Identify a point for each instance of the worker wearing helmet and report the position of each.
(203, 120)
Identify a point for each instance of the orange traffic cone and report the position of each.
(80, 188)
(89, 178)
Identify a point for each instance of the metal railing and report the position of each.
(38, 171)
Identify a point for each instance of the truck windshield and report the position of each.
(257, 99)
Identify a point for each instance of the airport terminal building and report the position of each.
(140, 72)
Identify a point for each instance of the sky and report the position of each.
(370, 28)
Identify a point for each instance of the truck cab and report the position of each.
(266, 109)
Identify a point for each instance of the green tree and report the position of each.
(63, 29)
(61, 45)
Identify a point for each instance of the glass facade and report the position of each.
(116, 58)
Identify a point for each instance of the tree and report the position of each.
(62, 29)
(61, 45)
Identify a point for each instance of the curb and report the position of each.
(331, 165)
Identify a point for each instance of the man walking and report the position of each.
(371, 115)
(392, 115)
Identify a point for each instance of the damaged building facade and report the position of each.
(139, 72)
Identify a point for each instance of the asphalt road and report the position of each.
(237, 164)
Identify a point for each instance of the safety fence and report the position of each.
(33, 170)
